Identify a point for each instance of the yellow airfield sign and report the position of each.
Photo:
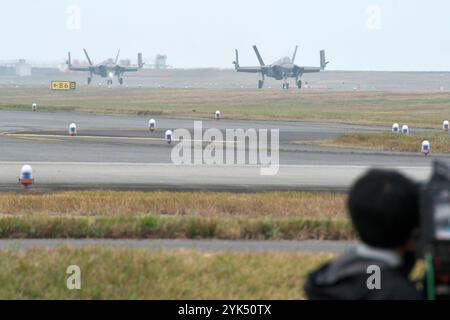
(63, 85)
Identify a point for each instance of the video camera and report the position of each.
(435, 232)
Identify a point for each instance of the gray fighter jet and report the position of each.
(282, 69)
(107, 69)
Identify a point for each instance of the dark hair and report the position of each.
(384, 208)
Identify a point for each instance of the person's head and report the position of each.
(384, 209)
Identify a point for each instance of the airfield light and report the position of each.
(168, 136)
(151, 125)
(26, 176)
(405, 129)
(426, 147)
(445, 125)
(72, 129)
(395, 128)
(34, 107)
(218, 114)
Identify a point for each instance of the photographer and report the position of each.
(384, 210)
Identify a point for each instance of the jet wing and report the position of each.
(249, 69)
(129, 69)
(310, 69)
(80, 68)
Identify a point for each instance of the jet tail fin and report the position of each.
(294, 55)
(261, 62)
(236, 62)
(117, 57)
(140, 62)
(87, 56)
(323, 61)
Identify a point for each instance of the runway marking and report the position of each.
(63, 138)
(38, 139)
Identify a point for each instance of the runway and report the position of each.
(166, 244)
(118, 152)
(228, 78)
(53, 176)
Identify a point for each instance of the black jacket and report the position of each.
(346, 279)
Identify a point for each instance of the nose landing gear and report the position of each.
(285, 82)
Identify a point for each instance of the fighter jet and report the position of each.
(107, 69)
(282, 69)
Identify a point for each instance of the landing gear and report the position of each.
(121, 81)
(89, 80)
(299, 84)
(285, 83)
(260, 84)
(109, 82)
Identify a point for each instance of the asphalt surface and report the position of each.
(51, 176)
(118, 152)
(202, 245)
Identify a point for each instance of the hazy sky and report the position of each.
(357, 34)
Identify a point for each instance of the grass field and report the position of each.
(105, 214)
(383, 108)
(145, 274)
(387, 141)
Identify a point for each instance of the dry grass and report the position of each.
(439, 141)
(107, 214)
(144, 274)
(416, 109)
(175, 227)
(201, 204)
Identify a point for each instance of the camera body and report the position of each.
(435, 231)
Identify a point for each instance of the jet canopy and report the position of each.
(285, 60)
